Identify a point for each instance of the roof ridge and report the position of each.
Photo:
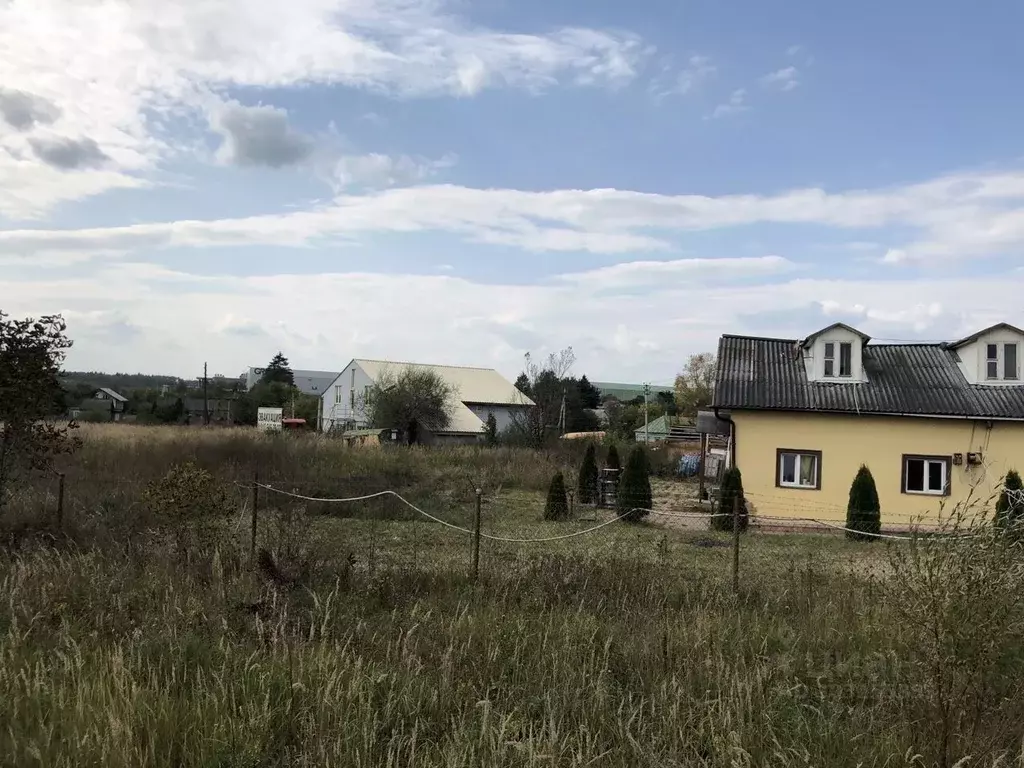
(424, 365)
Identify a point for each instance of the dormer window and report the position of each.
(1001, 362)
(845, 359)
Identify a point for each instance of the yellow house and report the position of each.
(938, 424)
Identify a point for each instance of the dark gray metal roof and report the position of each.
(914, 379)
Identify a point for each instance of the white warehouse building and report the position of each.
(307, 382)
(479, 392)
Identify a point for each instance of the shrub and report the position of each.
(731, 490)
(1010, 512)
(612, 460)
(634, 497)
(556, 508)
(863, 512)
(189, 501)
(588, 476)
(491, 430)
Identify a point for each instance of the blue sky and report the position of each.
(465, 182)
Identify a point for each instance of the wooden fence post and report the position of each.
(476, 536)
(736, 543)
(255, 514)
(60, 501)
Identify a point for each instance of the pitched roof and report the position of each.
(844, 326)
(909, 379)
(473, 386)
(983, 331)
(114, 395)
(658, 426)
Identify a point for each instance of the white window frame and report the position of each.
(1015, 375)
(991, 361)
(847, 346)
(943, 461)
(339, 394)
(798, 455)
(830, 360)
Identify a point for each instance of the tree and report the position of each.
(556, 508)
(278, 371)
(412, 400)
(1010, 511)
(730, 490)
(587, 485)
(491, 430)
(31, 354)
(548, 386)
(611, 461)
(633, 497)
(590, 395)
(863, 513)
(695, 386)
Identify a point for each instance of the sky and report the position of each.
(466, 182)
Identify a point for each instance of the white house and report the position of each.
(478, 393)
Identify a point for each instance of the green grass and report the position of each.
(625, 647)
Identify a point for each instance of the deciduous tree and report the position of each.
(31, 354)
(695, 386)
(411, 400)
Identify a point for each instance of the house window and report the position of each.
(338, 399)
(992, 361)
(1010, 361)
(798, 469)
(830, 359)
(926, 474)
(846, 359)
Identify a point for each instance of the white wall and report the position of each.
(814, 357)
(504, 415)
(973, 356)
(338, 399)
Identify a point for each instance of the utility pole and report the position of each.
(206, 397)
(647, 394)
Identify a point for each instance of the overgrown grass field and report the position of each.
(141, 634)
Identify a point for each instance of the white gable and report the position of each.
(995, 350)
(835, 355)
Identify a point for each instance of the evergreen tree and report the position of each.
(1010, 512)
(731, 490)
(491, 430)
(612, 459)
(633, 497)
(278, 370)
(557, 507)
(523, 384)
(590, 396)
(587, 487)
(863, 512)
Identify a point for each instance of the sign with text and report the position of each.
(269, 419)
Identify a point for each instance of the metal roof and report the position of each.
(627, 392)
(983, 331)
(111, 393)
(473, 386)
(907, 379)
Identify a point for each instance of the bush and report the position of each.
(863, 512)
(634, 497)
(612, 460)
(491, 430)
(1010, 513)
(728, 493)
(587, 485)
(189, 501)
(556, 508)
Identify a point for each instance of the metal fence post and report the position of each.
(60, 501)
(476, 536)
(255, 513)
(736, 543)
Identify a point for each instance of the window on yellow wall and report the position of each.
(927, 475)
(798, 469)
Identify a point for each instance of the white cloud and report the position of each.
(118, 74)
(660, 274)
(955, 215)
(377, 170)
(785, 79)
(737, 103)
(698, 70)
(173, 322)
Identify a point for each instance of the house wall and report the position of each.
(847, 441)
(338, 400)
(814, 357)
(504, 415)
(973, 358)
